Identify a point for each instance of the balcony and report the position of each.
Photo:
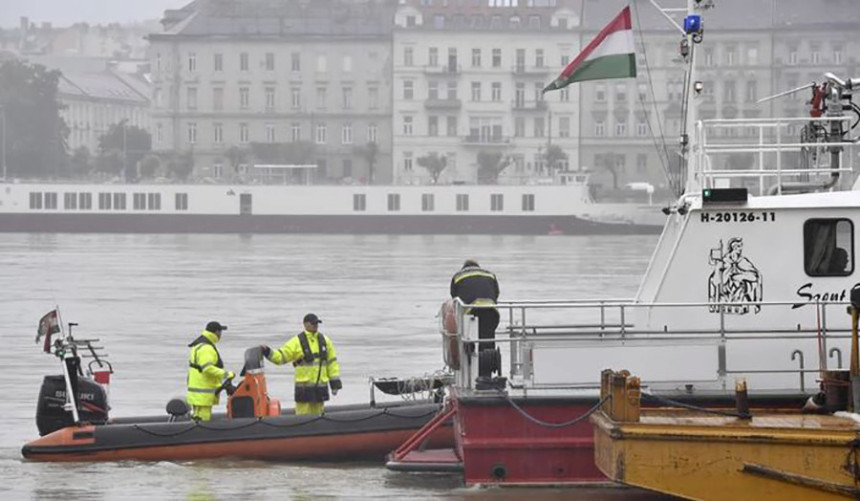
(522, 69)
(432, 103)
(486, 140)
(525, 106)
(448, 69)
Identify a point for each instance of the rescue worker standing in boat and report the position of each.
(315, 360)
(477, 286)
(206, 374)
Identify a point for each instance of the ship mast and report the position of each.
(691, 31)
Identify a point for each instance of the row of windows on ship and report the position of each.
(152, 201)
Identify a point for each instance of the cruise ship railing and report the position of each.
(768, 141)
(620, 324)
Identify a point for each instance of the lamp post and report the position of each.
(3, 140)
(124, 150)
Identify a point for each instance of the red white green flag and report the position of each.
(610, 55)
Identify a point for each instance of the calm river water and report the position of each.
(147, 296)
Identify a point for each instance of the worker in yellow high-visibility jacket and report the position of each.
(206, 374)
(315, 360)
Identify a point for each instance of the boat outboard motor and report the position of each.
(51, 414)
(251, 398)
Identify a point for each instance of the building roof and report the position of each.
(280, 19)
(103, 86)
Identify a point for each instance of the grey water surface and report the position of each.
(147, 296)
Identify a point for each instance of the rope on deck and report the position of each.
(546, 424)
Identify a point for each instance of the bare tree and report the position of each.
(434, 163)
(370, 153)
(490, 166)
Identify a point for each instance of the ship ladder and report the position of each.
(411, 455)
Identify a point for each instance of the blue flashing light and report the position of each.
(693, 24)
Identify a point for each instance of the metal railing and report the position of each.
(620, 323)
(773, 139)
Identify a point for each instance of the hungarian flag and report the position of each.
(48, 325)
(610, 55)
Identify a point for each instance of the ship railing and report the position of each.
(596, 331)
(767, 145)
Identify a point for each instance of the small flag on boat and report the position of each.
(48, 325)
(610, 55)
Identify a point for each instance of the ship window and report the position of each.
(462, 202)
(182, 201)
(104, 201)
(497, 202)
(155, 201)
(828, 247)
(139, 201)
(528, 203)
(359, 202)
(119, 201)
(85, 201)
(35, 200)
(70, 201)
(50, 200)
(393, 202)
(427, 202)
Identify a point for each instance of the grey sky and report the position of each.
(66, 12)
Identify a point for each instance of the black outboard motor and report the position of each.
(50, 414)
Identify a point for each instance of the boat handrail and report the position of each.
(827, 150)
(617, 323)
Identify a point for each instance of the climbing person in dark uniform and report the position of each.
(315, 360)
(477, 286)
(206, 374)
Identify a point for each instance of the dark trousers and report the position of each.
(488, 320)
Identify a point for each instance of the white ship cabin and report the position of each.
(750, 277)
(566, 195)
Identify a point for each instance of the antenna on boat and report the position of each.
(786, 93)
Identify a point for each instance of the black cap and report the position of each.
(311, 319)
(215, 327)
(470, 262)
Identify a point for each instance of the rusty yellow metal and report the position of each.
(774, 456)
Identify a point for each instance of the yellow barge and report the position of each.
(767, 455)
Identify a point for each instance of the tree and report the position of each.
(35, 132)
(608, 162)
(181, 165)
(81, 163)
(553, 156)
(236, 156)
(149, 166)
(110, 163)
(490, 165)
(370, 153)
(132, 143)
(434, 163)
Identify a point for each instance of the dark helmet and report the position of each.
(471, 263)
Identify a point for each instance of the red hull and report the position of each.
(499, 445)
(346, 447)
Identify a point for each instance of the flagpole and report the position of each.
(71, 401)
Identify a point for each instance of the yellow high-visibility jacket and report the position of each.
(314, 372)
(205, 370)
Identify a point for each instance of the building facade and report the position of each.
(94, 101)
(309, 79)
(467, 81)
